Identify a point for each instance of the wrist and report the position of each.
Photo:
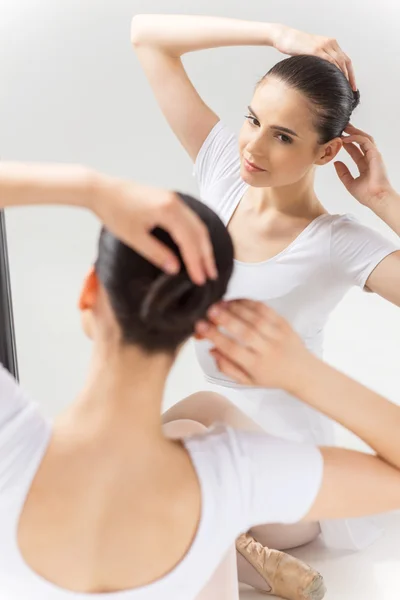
(379, 202)
(274, 32)
(99, 191)
(303, 375)
(387, 208)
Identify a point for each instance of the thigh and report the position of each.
(285, 537)
(182, 428)
(224, 584)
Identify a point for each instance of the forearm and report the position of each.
(388, 209)
(179, 34)
(370, 416)
(29, 184)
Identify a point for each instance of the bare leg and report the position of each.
(208, 408)
(286, 537)
(223, 585)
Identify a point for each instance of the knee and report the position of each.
(203, 407)
(183, 428)
(207, 397)
(210, 402)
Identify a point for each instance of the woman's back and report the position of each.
(105, 514)
(87, 515)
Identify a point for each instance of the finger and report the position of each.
(265, 322)
(226, 345)
(226, 366)
(208, 255)
(371, 152)
(344, 174)
(195, 246)
(352, 75)
(186, 229)
(259, 308)
(354, 131)
(326, 56)
(364, 142)
(157, 253)
(357, 156)
(205, 246)
(345, 62)
(340, 60)
(235, 308)
(247, 327)
(241, 311)
(243, 331)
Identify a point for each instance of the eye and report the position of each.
(255, 122)
(285, 139)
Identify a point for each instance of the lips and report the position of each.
(253, 166)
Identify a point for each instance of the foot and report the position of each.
(286, 576)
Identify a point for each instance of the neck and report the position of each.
(122, 398)
(296, 200)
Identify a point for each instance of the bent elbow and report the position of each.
(138, 29)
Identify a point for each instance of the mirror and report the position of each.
(8, 352)
(72, 90)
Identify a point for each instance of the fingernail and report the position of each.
(200, 279)
(202, 327)
(171, 267)
(214, 273)
(214, 312)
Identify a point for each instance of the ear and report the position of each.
(89, 291)
(329, 151)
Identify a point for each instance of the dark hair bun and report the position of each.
(356, 99)
(174, 303)
(154, 310)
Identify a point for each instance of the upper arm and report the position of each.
(355, 484)
(12, 399)
(359, 254)
(12, 407)
(385, 278)
(23, 432)
(187, 114)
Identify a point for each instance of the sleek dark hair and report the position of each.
(326, 87)
(156, 311)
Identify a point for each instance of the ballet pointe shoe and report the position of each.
(288, 577)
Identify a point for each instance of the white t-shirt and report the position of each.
(304, 282)
(245, 479)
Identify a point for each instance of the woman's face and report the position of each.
(279, 137)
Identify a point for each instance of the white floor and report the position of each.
(373, 574)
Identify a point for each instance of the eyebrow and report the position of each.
(276, 127)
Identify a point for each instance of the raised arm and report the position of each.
(259, 348)
(128, 209)
(372, 188)
(161, 40)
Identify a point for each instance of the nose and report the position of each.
(256, 147)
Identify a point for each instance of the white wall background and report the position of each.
(71, 90)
